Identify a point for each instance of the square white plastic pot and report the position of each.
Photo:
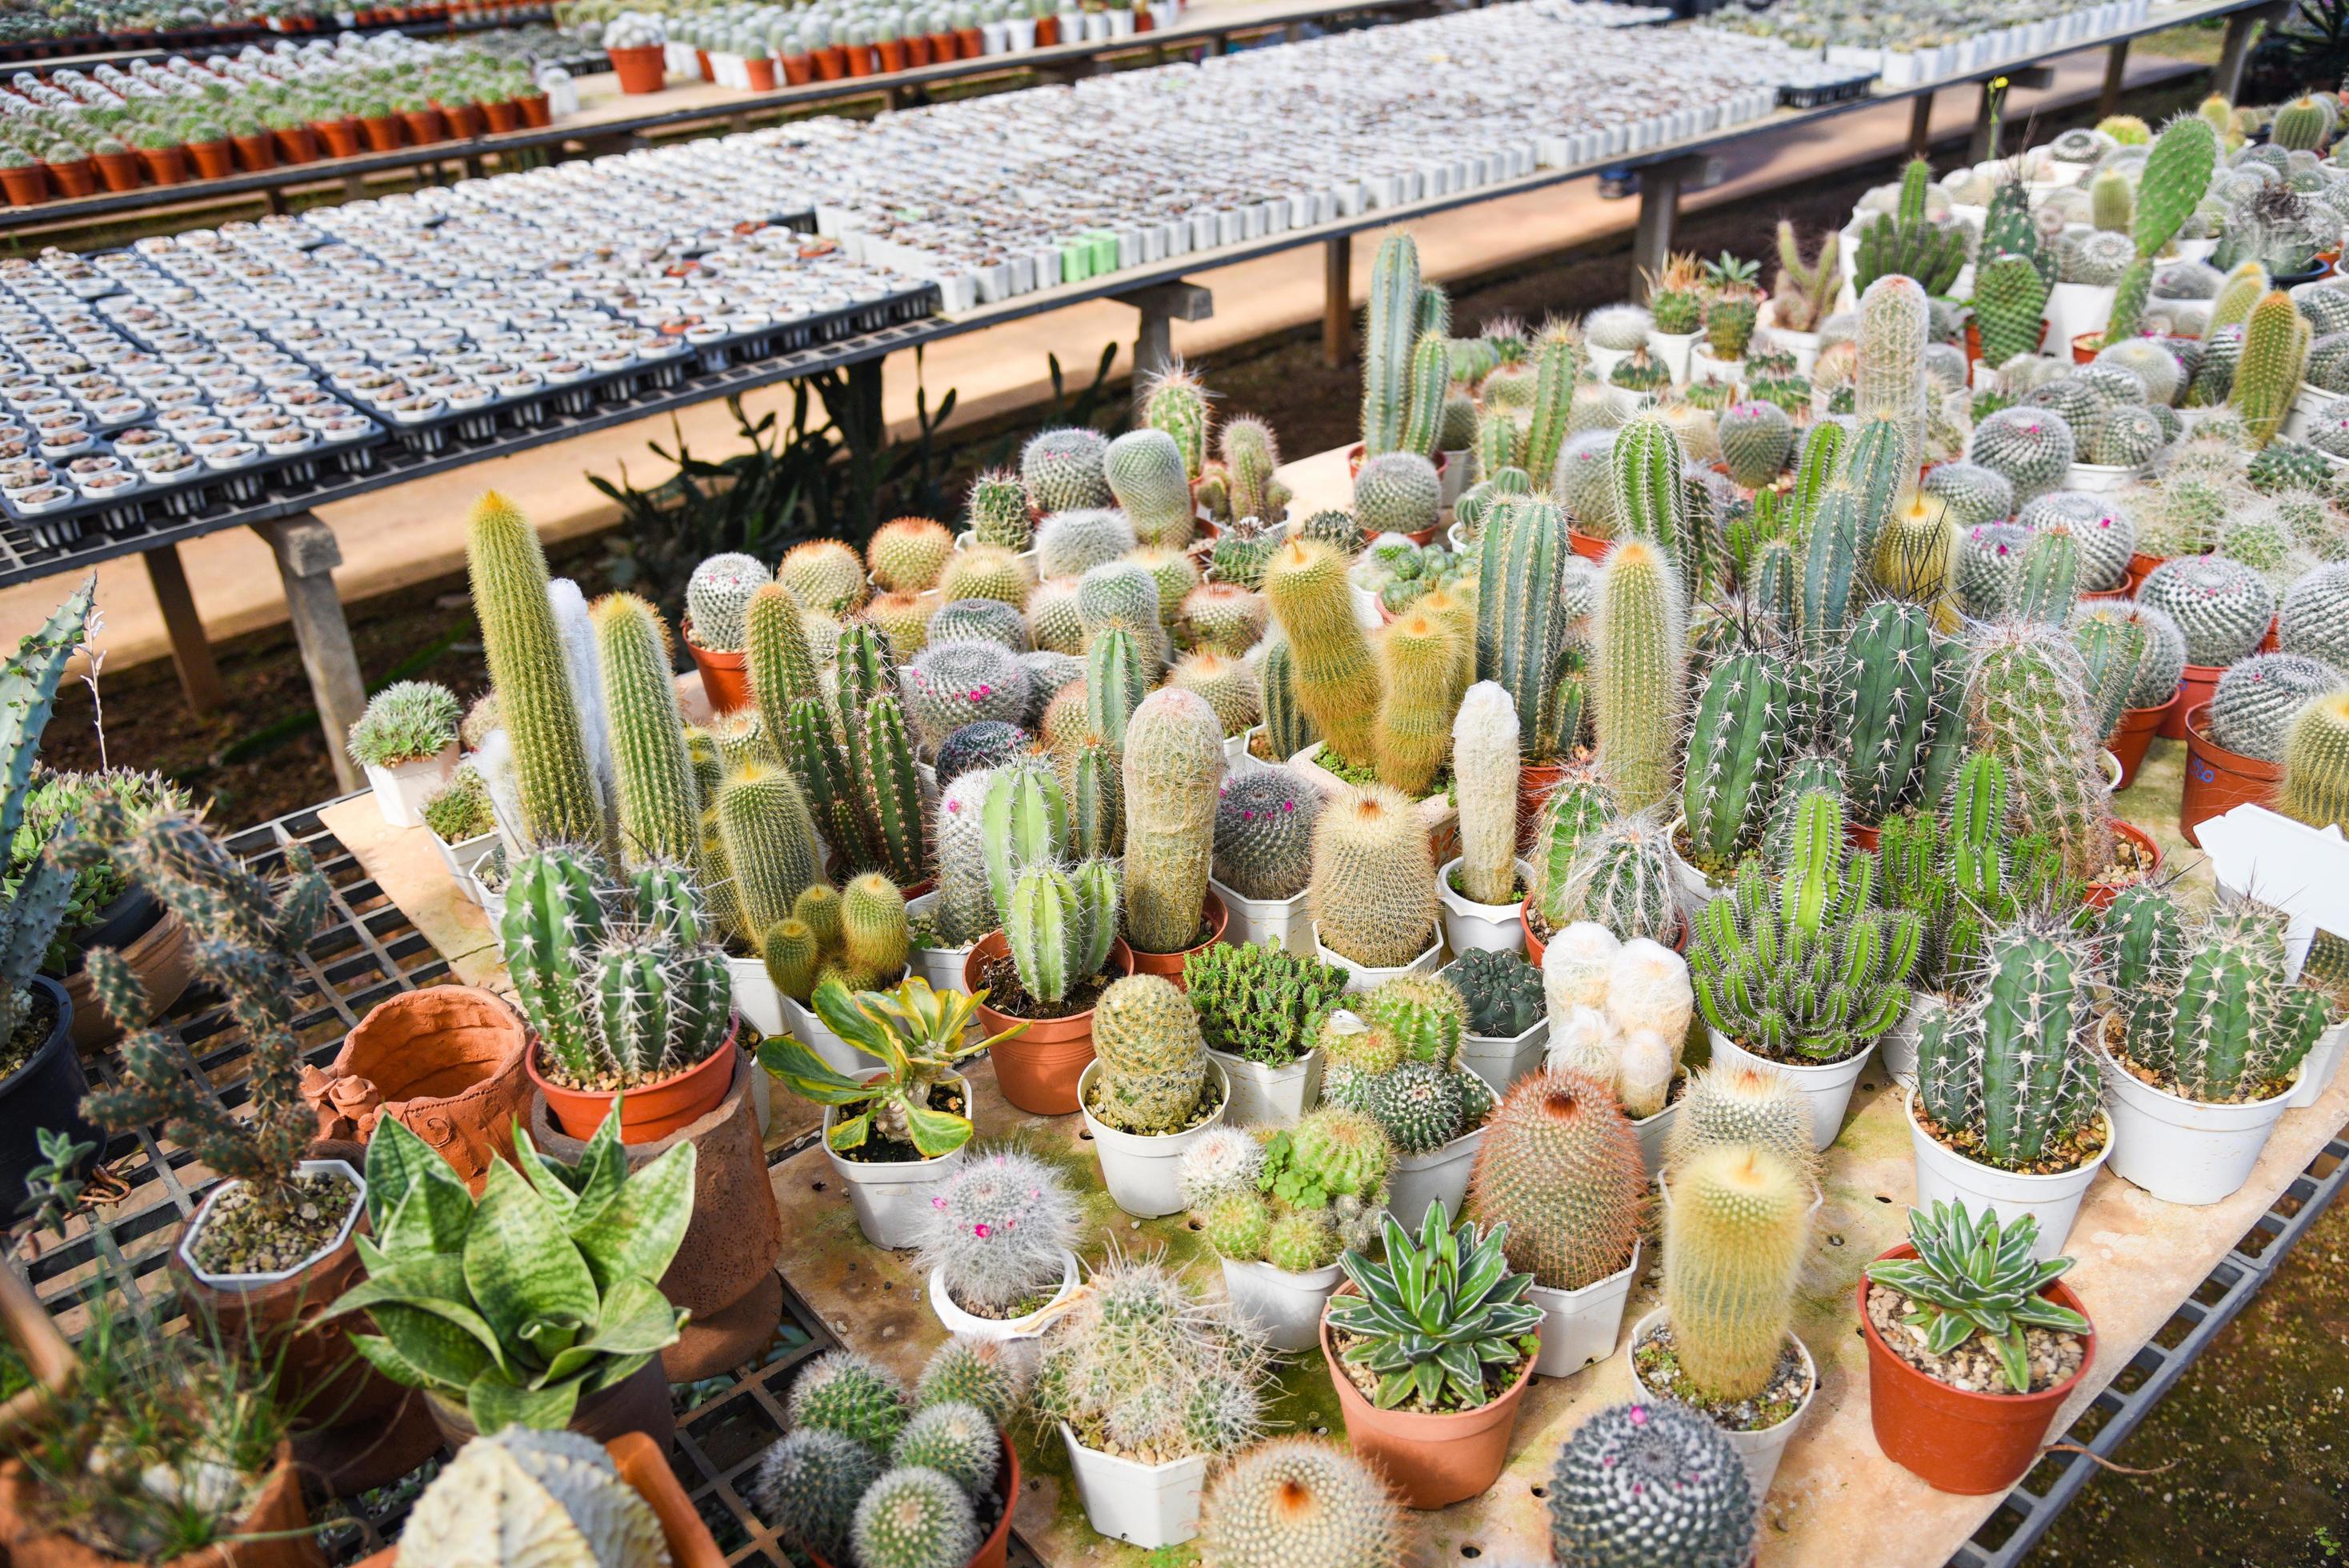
(1579, 1327)
(1470, 926)
(892, 1200)
(1502, 1062)
(1944, 1175)
(460, 856)
(1759, 1451)
(1361, 977)
(2318, 1068)
(1139, 1170)
(1008, 1330)
(1654, 1133)
(1268, 1096)
(1264, 921)
(399, 791)
(2179, 1149)
(941, 967)
(1280, 1308)
(1673, 348)
(1419, 1180)
(248, 1281)
(1144, 1505)
(756, 998)
(1828, 1088)
(2100, 477)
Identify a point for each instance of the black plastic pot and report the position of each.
(46, 1092)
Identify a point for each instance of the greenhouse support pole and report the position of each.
(307, 554)
(191, 651)
(2226, 80)
(1161, 306)
(2109, 102)
(1337, 301)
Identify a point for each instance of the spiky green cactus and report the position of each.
(1428, 382)
(950, 684)
(1060, 924)
(1145, 472)
(1069, 544)
(1176, 403)
(1331, 669)
(1174, 763)
(1557, 364)
(810, 1483)
(1062, 470)
(1831, 562)
(2268, 374)
(998, 513)
(1153, 1060)
(1737, 1228)
(1264, 833)
(1521, 625)
(2251, 708)
(659, 806)
(2222, 606)
(2011, 1067)
(1890, 383)
(1755, 439)
(523, 649)
(1736, 741)
(1635, 680)
(2111, 642)
(1374, 882)
(2034, 449)
(1397, 493)
(2315, 788)
(1422, 660)
(769, 843)
(914, 1518)
(1622, 878)
(2047, 584)
(1391, 330)
(1577, 809)
(1741, 1106)
(2176, 173)
(1882, 706)
(717, 598)
(1250, 456)
(1560, 1167)
(969, 1370)
(2221, 1023)
(2027, 705)
(2010, 302)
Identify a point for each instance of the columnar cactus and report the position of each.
(1264, 833)
(658, 803)
(770, 843)
(1153, 1060)
(1831, 562)
(966, 908)
(1145, 473)
(2046, 585)
(1025, 818)
(1061, 924)
(1891, 378)
(1287, 727)
(1557, 363)
(717, 599)
(2105, 532)
(1484, 761)
(2177, 169)
(1650, 1486)
(2267, 375)
(1621, 878)
(2222, 606)
(1173, 764)
(1397, 493)
(1521, 625)
(1250, 456)
(1392, 329)
(2315, 788)
(1373, 884)
(1635, 680)
(1736, 741)
(1176, 403)
(1335, 678)
(2027, 705)
(1577, 809)
(1649, 503)
(1423, 661)
(1737, 1227)
(1882, 710)
(1741, 1106)
(1560, 1167)
(1062, 470)
(1755, 439)
(2011, 1067)
(1429, 384)
(2222, 1023)
(2111, 640)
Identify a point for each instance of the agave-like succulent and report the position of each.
(1972, 1277)
(1437, 1311)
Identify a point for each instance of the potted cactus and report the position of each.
(1737, 1228)
(861, 935)
(666, 1037)
(1260, 1009)
(1149, 1387)
(2235, 743)
(1173, 768)
(1278, 1207)
(21, 177)
(1620, 1012)
(1676, 309)
(715, 626)
(1431, 1348)
(1299, 1498)
(2223, 608)
(894, 1134)
(1265, 822)
(1642, 1471)
(1149, 1093)
(462, 822)
(1395, 1056)
(1508, 1022)
(2201, 1045)
(997, 1246)
(1561, 1179)
(1373, 888)
(1801, 296)
(1732, 303)
(1973, 1343)
(1483, 888)
(639, 47)
(406, 742)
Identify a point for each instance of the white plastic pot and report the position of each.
(2307, 405)
(1653, 1131)
(1139, 1169)
(941, 967)
(1419, 1180)
(1759, 1451)
(1704, 366)
(1502, 1062)
(1672, 348)
(1603, 361)
(2100, 477)
(1280, 1308)
(1147, 1506)
(460, 856)
(399, 791)
(1264, 921)
(1007, 1329)
(1896, 1048)
(1239, 761)
(2319, 1067)
(1944, 1175)
(1579, 1328)
(892, 1200)
(1473, 927)
(1361, 977)
(756, 998)
(1453, 472)
(2179, 1149)
(1268, 1096)
(195, 1228)
(1803, 345)
(1828, 1088)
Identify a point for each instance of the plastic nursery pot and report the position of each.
(1579, 1327)
(955, 1319)
(2218, 781)
(2319, 1067)
(1139, 1169)
(1861, 835)
(1361, 977)
(2182, 1151)
(25, 185)
(1470, 926)
(2086, 346)
(400, 789)
(636, 1403)
(1432, 1460)
(1265, 920)
(340, 138)
(2194, 689)
(164, 165)
(537, 110)
(892, 1199)
(1265, 1096)
(295, 145)
(1827, 1087)
(505, 115)
(1212, 914)
(831, 63)
(1589, 546)
(424, 126)
(274, 1533)
(1147, 1506)
(650, 1111)
(47, 1091)
(445, 1062)
(759, 70)
(2133, 738)
(1038, 1072)
(381, 133)
(1945, 1175)
(1759, 1451)
(641, 69)
(725, 677)
(941, 967)
(1955, 1439)
(79, 178)
(798, 71)
(2101, 893)
(1280, 1308)
(119, 170)
(254, 152)
(1652, 1132)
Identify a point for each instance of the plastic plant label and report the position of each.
(2301, 870)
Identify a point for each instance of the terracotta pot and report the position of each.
(279, 1520)
(340, 138)
(2085, 348)
(642, 69)
(1859, 836)
(465, 120)
(918, 50)
(537, 110)
(161, 952)
(164, 165)
(798, 71)
(445, 1062)
(858, 60)
(1048, 31)
(2140, 567)
(381, 133)
(892, 54)
(831, 63)
(79, 178)
(1956, 1441)
(636, 1403)
(26, 186)
(295, 145)
(1038, 1072)
(725, 677)
(502, 116)
(761, 70)
(2194, 689)
(946, 46)
(1143, 22)
(1535, 782)
(1170, 964)
(724, 1271)
(1589, 546)
(2101, 893)
(2217, 779)
(119, 170)
(654, 1110)
(1430, 1461)
(424, 126)
(254, 153)
(970, 43)
(2133, 737)
(1973, 343)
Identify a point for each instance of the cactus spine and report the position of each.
(1735, 746)
(1636, 684)
(1883, 705)
(1736, 1226)
(1336, 678)
(659, 805)
(769, 843)
(1555, 366)
(2026, 705)
(1174, 763)
(1373, 887)
(1893, 315)
(1485, 758)
(1649, 501)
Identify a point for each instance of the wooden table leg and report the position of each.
(191, 653)
(307, 554)
(2109, 102)
(1338, 300)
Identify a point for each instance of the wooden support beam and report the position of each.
(191, 651)
(1161, 306)
(307, 554)
(1337, 301)
(1660, 213)
(2109, 102)
(2227, 80)
(1921, 124)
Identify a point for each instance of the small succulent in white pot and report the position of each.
(407, 741)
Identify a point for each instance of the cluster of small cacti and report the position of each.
(1141, 1368)
(1294, 1198)
(1619, 1012)
(1504, 992)
(858, 935)
(1394, 1057)
(2206, 1007)
(1261, 1003)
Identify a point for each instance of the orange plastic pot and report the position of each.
(2217, 779)
(1859, 836)
(165, 165)
(465, 120)
(1954, 1439)
(119, 171)
(1431, 1461)
(993, 1551)
(831, 63)
(1170, 964)
(2194, 689)
(2085, 348)
(1536, 781)
(725, 677)
(761, 70)
(2141, 567)
(79, 178)
(340, 138)
(296, 145)
(501, 115)
(26, 185)
(1048, 31)
(970, 42)
(381, 131)
(701, 64)
(640, 69)
(2133, 737)
(650, 1112)
(798, 71)
(537, 111)
(255, 152)
(892, 54)
(424, 126)
(1037, 1072)
(2102, 893)
(1589, 546)
(1536, 946)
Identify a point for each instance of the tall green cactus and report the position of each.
(2026, 705)
(1287, 726)
(2267, 376)
(827, 780)
(1649, 501)
(2176, 172)
(1831, 563)
(553, 924)
(658, 803)
(2010, 302)
(2049, 586)
(1115, 684)
(1737, 743)
(770, 843)
(1557, 363)
(1336, 677)
(1393, 328)
(893, 791)
(1250, 456)
(1026, 821)
(1429, 380)
(1635, 680)
(1060, 924)
(523, 650)
(2011, 1067)
(1883, 706)
(1176, 403)
(1422, 666)
(1521, 626)
(1173, 764)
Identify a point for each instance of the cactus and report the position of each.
(999, 1231)
(2222, 606)
(1251, 456)
(1429, 383)
(1503, 991)
(825, 575)
(1289, 728)
(1070, 543)
(2009, 300)
(1391, 329)
(1905, 242)
(1560, 1167)
(906, 553)
(1301, 1502)
(1145, 472)
(1755, 439)
(998, 512)
(1484, 762)
(770, 843)
(1397, 493)
(1264, 833)
(1241, 550)
(1154, 1059)
(1890, 383)
(1913, 557)
(873, 931)
(2302, 125)
(843, 1392)
(1737, 1225)
(1577, 808)
(1336, 529)
(2105, 533)
(2313, 620)
(2177, 169)
(1227, 684)
(1421, 660)
(914, 1518)
(1223, 618)
(1882, 707)
(718, 599)
(1173, 764)
(1062, 470)
(2253, 708)
(659, 805)
(1333, 672)
(2111, 640)
(810, 1483)
(985, 1374)
(957, 1441)
(2045, 588)
(2033, 448)
(1648, 501)
(1621, 878)
(986, 571)
(966, 908)
(1177, 402)
(2276, 340)
(1650, 1486)
(1636, 683)
(1374, 882)
(978, 620)
(1831, 562)
(523, 649)
(526, 1496)
(1736, 741)
(2011, 1067)
(1741, 1106)
(949, 685)
(1060, 925)
(1521, 626)
(2315, 788)
(2027, 705)
(2221, 1023)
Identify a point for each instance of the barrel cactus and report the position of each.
(1063, 470)
(2253, 705)
(1650, 1486)
(2222, 606)
(2032, 448)
(527, 1496)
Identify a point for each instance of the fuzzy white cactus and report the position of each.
(1618, 1011)
(1485, 776)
